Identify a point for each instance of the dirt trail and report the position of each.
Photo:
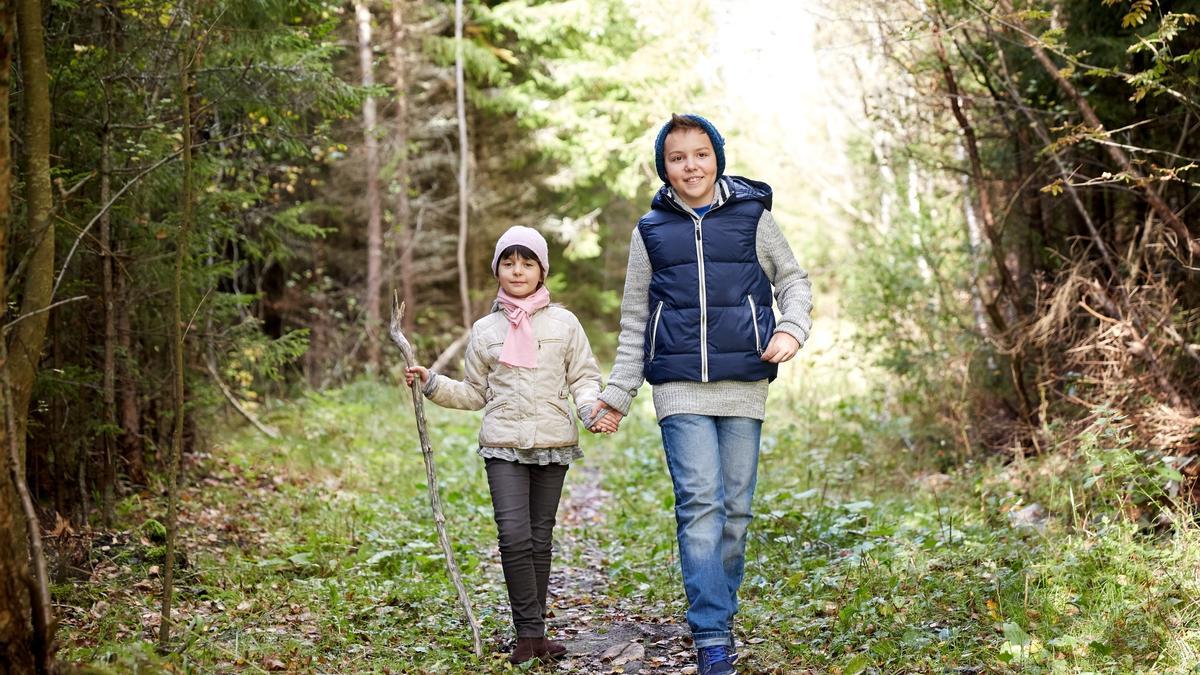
(605, 634)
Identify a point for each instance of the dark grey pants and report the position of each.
(525, 501)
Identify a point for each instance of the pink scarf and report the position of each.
(520, 345)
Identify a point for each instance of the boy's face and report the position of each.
(691, 165)
(519, 276)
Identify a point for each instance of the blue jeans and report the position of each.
(714, 468)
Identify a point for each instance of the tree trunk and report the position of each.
(463, 156)
(28, 337)
(186, 53)
(374, 208)
(982, 194)
(132, 447)
(109, 388)
(16, 628)
(403, 226)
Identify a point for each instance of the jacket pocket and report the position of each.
(654, 329)
(754, 322)
(561, 408)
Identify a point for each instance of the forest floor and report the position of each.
(317, 553)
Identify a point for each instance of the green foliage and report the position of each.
(860, 557)
(154, 531)
(264, 92)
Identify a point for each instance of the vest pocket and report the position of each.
(654, 329)
(754, 322)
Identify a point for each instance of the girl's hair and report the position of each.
(521, 252)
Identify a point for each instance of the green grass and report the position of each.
(859, 560)
(317, 552)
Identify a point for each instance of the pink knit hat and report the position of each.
(519, 235)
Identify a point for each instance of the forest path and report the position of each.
(603, 633)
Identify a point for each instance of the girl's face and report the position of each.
(519, 276)
(691, 166)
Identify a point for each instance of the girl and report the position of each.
(522, 360)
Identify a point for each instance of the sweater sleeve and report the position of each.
(627, 376)
(793, 291)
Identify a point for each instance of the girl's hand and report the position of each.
(607, 420)
(411, 373)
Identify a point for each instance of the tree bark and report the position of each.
(132, 448)
(109, 386)
(374, 208)
(983, 196)
(177, 335)
(463, 156)
(16, 627)
(403, 226)
(28, 337)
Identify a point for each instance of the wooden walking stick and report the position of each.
(435, 500)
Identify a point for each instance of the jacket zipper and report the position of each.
(654, 331)
(754, 320)
(703, 302)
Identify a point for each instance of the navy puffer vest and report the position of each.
(710, 301)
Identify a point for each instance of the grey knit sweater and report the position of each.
(728, 398)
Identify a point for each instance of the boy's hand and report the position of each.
(781, 348)
(606, 420)
(411, 373)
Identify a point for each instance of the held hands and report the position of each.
(781, 348)
(605, 420)
(411, 373)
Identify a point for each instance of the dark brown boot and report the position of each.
(527, 648)
(555, 650)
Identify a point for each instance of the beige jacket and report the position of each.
(525, 407)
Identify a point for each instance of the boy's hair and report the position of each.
(521, 252)
(687, 121)
(683, 122)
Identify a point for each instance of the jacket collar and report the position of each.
(723, 190)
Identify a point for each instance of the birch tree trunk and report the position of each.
(374, 209)
(463, 156)
(403, 226)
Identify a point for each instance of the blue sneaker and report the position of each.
(716, 660)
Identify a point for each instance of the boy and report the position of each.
(697, 324)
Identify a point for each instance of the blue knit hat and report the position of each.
(717, 141)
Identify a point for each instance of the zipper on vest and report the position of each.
(654, 331)
(703, 302)
(754, 320)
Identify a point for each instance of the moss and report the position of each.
(154, 531)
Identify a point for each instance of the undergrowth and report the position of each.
(317, 553)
